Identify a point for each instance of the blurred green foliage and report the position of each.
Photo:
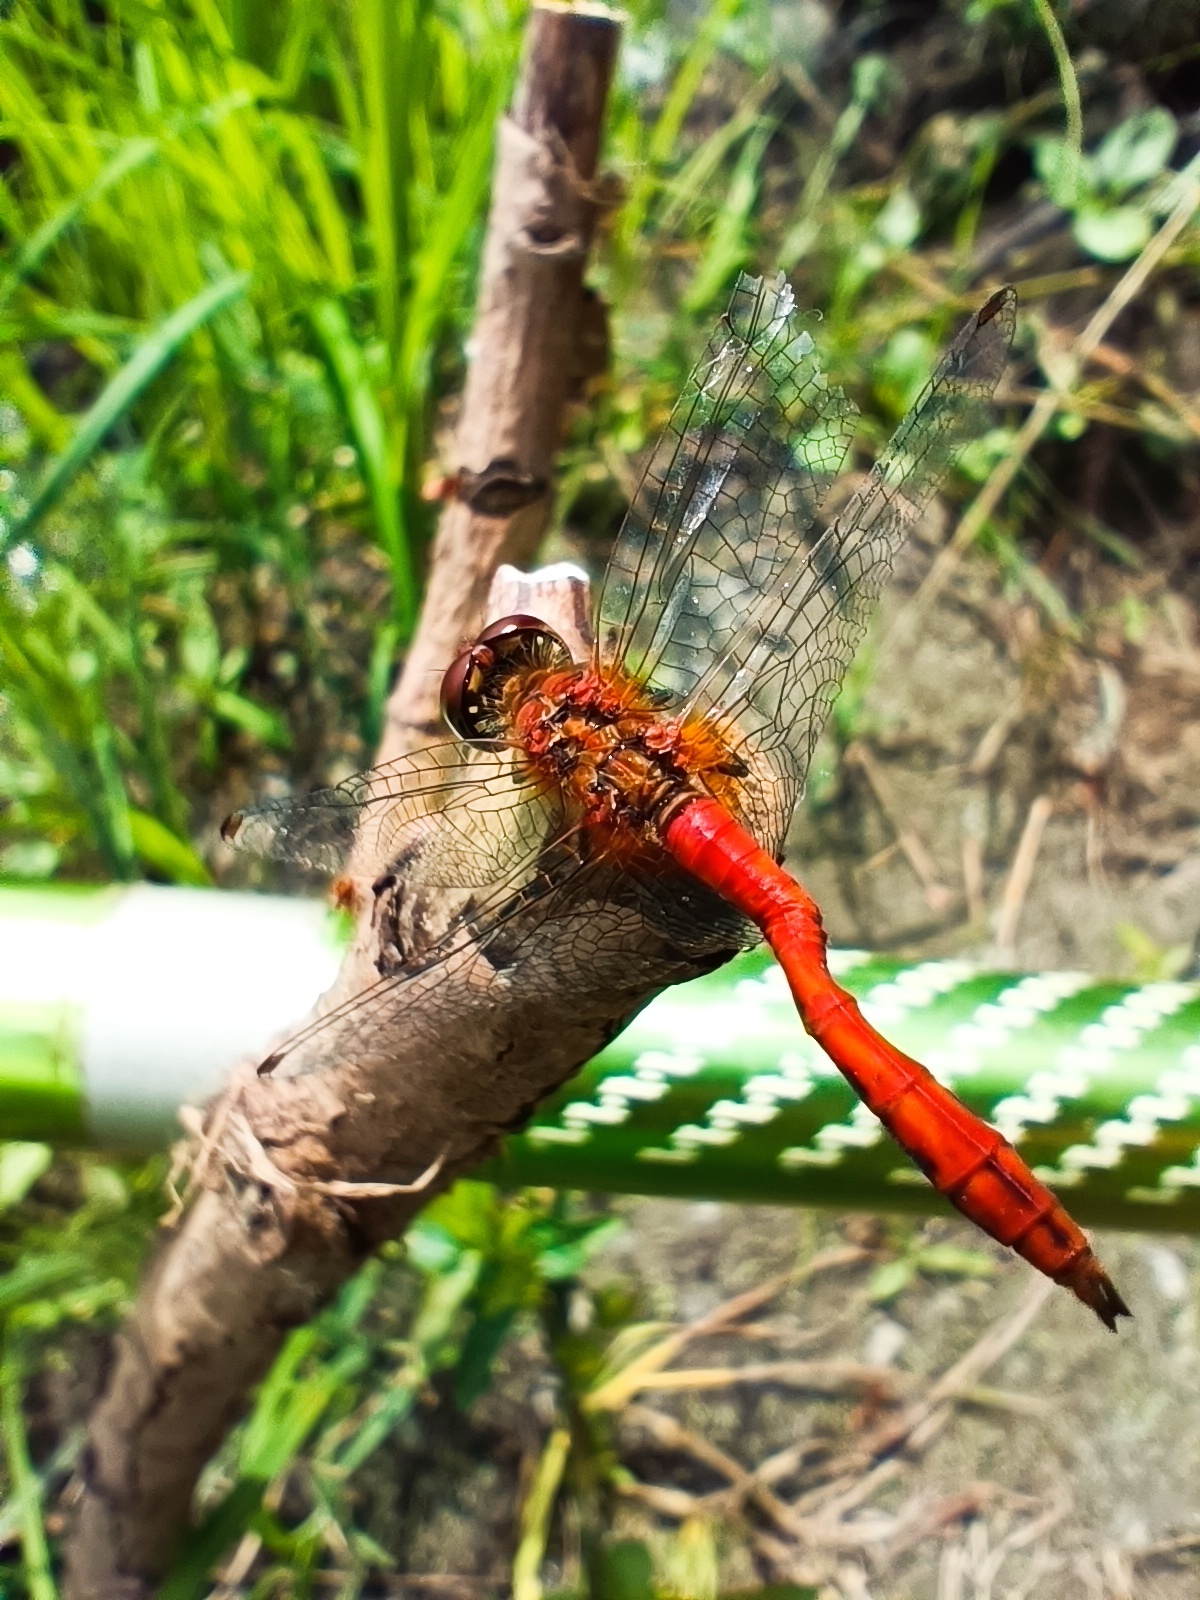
(72, 1239)
(236, 248)
(1115, 193)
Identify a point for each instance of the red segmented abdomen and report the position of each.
(975, 1167)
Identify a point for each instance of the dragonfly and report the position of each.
(628, 810)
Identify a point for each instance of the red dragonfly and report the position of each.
(631, 808)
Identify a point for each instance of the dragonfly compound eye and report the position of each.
(473, 690)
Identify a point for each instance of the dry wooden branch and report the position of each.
(269, 1239)
(538, 335)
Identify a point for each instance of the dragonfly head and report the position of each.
(473, 689)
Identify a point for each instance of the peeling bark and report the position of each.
(275, 1225)
(534, 344)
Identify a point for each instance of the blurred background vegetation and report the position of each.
(238, 246)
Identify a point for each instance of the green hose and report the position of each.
(714, 1091)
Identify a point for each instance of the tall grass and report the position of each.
(235, 245)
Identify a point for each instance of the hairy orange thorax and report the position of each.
(620, 762)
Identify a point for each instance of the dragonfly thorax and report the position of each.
(622, 764)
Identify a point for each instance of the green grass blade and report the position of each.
(689, 78)
(369, 427)
(35, 1552)
(665, 135)
(379, 681)
(33, 1276)
(192, 1576)
(728, 245)
(114, 798)
(448, 228)
(121, 391)
(163, 851)
(292, 1400)
(133, 155)
(52, 708)
(17, 385)
(701, 176)
(258, 721)
(870, 81)
(331, 225)
(385, 59)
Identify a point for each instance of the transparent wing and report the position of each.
(478, 881)
(462, 847)
(753, 444)
(463, 818)
(775, 683)
(448, 942)
(564, 919)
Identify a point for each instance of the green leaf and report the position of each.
(24, 1486)
(898, 224)
(468, 1212)
(710, 24)
(979, 457)
(871, 75)
(21, 1165)
(121, 391)
(626, 1572)
(1069, 425)
(770, 1591)
(902, 369)
(1063, 171)
(981, 10)
(165, 852)
(251, 718)
(1135, 151)
(430, 1247)
(473, 1371)
(128, 158)
(379, 681)
(369, 427)
(566, 1257)
(32, 1276)
(1152, 962)
(29, 858)
(1112, 233)
(443, 1301)
(892, 1279)
(955, 1262)
(728, 244)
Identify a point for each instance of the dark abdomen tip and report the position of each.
(1089, 1282)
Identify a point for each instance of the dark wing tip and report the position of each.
(232, 825)
(1004, 300)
